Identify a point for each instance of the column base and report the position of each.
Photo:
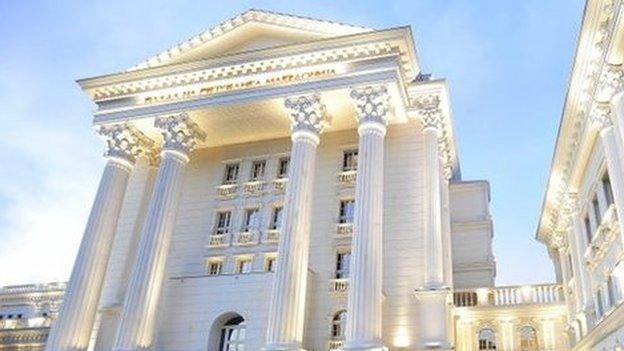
(282, 347)
(440, 346)
(364, 345)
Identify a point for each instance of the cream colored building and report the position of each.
(285, 183)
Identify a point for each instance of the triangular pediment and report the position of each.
(252, 30)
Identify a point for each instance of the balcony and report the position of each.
(347, 178)
(219, 240)
(344, 230)
(227, 190)
(253, 188)
(509, 296)
(339, 286)
(335, 344)
(246, 237)
(271, 236)
(279, 185)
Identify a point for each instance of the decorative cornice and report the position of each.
(180, 133)
(600, 115)
(125, 142)
(372, 104)
(611, 82)
(307, 113)
(428, 107)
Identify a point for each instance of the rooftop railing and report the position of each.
(509, 295)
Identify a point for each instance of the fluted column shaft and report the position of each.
(72, 330)
(288, 298)
(613, 155)
(138, 319)
(434, 264)
(582, 282)
(363, 330)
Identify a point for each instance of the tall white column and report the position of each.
(288, 298)
(363, 330)
(138, 318)
(433, 296)
(72, 330)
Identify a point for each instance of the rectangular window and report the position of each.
(608, 190)
(350, 160)
(570, 267)
(252, 219)
(596, 207)
(343, 261)
(243, 265)
(276, 217)
(347, 211)
(282, 167)
(223, 222)
(257, 170)
(214, 267)
(269, 263)
(613, 290)
(600, 303)
(588, 229)
(231, 173)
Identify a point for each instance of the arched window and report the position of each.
(528, 338)
(487, 339)
(338, 325)
(233, 335)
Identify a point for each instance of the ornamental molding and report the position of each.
(372, 104)
(180, 133)
(600, 115)
(307, 113)
(611, 82)
(125, 141)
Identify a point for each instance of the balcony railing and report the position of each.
(347, 177)
(227, 190)
(335, 344)
(271, 235)
(25, 323)
(509, 296)
(27, 288)
(339, 285)
(16, 339)
(219, 240)
(246, 237)
(254, 187)
(279, 185)
(344, 229)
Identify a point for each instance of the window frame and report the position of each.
(350, 160)
(227, 178)
(258, 170)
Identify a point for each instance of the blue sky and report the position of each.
(507, 64)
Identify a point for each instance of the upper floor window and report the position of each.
(347, 211)
(596, 208)
(599, 303)
(231, 173)
(588, 228)
(257, 170)
(223, 222)
(608, 190)
(350, 160)
(613, 290)
(243, 265)
(343, 261)
(214, 267)
(570, 267)
(276, 217)
(270, 263)
(487, 339)
(282, 167)
(339, 323)
(528, 338)
(252, 219)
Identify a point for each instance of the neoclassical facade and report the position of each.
(283, 183)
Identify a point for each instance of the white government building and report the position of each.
(283, 183)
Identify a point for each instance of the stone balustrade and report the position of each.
(227, 190)
(254, 188)
(31, 288)
(347, 178)
(344, 229)
(279, 185)
(339, 285)
(249, 237)
(219, 240)
(335, 344)
(271, 236)
(509, 296)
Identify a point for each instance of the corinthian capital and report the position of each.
(180, 133)
(372, 103)
(125, 142)
(307, 113)
(428, 107)
(600, 115)
(611, 82)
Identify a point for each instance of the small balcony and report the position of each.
(227, 190)
(279, 185)
(509, 296)
(335, 344)
(344, 230)
(347, 178)
(253, 188)
(219, 239)
(271, 236)
(339, 286)
(246, 238)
